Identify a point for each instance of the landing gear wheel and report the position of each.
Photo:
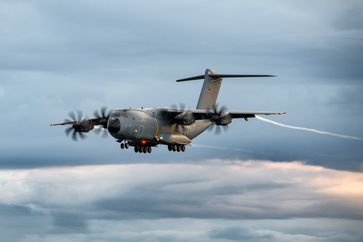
(178, 148)
(122, 145)
(173, 148)
(182, 148)
(126, 145)
(140, 149)
(149, 149)
(136, 149)
(170, 148)
(144, 149)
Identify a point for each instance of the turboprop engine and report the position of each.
(185, 118)
(223, 119)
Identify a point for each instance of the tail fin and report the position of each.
(211, 86)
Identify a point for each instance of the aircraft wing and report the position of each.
(240, 114)
(200, 114)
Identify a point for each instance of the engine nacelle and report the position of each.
(84, 126)
(185, 118)
(224, 119)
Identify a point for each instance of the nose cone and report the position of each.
(114, 125)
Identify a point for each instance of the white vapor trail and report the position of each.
(309, 130)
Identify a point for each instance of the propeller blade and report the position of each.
(218, 130)
(72, 115)
(74, 135)
(104, 133)
(104, 112)
(225, 128)
(222, 109)
(96, 114)
(181, 108)
(68, 130)
(79, 115)
(67, 120)
(81, 135)
(101, 131)
(97, 130)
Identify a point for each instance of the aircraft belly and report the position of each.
(197, 128)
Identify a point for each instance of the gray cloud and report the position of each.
(239, 234)
(221, 199)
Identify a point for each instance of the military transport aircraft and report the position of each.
(175, 127)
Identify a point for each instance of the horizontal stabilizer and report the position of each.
(218, 76)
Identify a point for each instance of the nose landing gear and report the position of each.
(176, 147)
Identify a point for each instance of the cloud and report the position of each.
(2, 92)
(238, 234)
(74, 199)
(58, 57)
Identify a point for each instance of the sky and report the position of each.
(255, 182)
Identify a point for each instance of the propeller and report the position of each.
(103, 115)
(101, 131)
(179, 127)
(218, 112)
(218, 128)
(181, 107)
(78, 127)
(220, 119)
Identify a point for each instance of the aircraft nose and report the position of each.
(114, 125)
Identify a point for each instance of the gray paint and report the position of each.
(209, 93)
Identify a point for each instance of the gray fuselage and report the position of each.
(152, 125)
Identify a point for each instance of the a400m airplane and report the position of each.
(175, 127)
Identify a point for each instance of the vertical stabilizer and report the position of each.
(212, 83)
(210, 90)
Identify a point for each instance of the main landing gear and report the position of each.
(139, 148)
(142, 149)
(124, 145)
(176, 147)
